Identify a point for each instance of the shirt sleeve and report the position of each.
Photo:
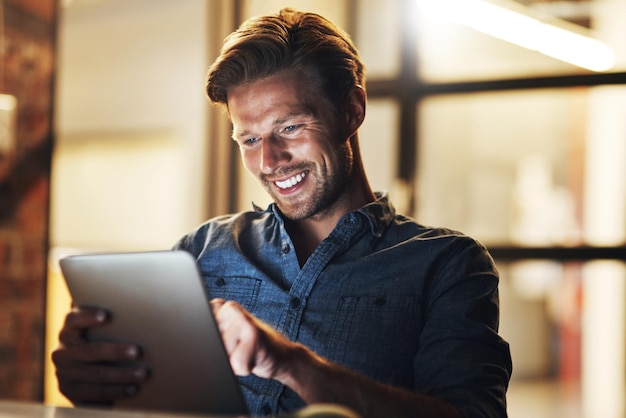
(194, 242)
(461, 357)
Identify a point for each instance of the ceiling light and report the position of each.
(514, 23)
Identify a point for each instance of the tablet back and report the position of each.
(157, 300)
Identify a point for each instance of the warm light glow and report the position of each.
(604, 281)
(7, 102)
(8, 120)
(515, 24)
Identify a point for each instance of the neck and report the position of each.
(307, 234)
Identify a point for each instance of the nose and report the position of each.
(273, 154)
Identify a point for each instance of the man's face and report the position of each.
(291, 140)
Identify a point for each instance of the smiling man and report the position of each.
(292, 140)
(328, 295)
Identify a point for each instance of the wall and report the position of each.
(132, 111)
(133, 166)
(27, 31)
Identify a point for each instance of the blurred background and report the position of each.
(503, 119)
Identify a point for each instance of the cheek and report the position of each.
(249, 160)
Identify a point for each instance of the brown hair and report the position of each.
(263, 46)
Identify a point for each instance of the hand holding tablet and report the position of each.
(156, 301)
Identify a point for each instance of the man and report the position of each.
(328, 296)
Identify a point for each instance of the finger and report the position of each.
(78, 321)
(227, 315)
(83, 317)
(103, 374)
(239, 335)
(242, 354)
(216, 304)
(95, 353)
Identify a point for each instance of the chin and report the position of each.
(294, 212)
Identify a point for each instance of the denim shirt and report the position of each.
(407, 305)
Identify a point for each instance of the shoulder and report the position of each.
(446, 250)
(404, 225)
(225, 228)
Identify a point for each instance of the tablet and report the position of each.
(158, 301)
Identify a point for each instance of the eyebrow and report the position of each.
(292, 115)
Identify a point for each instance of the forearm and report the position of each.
(317, 380)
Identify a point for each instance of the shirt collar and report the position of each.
(379, 213)
(258, 208)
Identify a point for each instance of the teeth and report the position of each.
(290, 182)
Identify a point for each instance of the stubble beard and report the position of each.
(327, 190)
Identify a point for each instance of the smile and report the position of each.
(290, 182)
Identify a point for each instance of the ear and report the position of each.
(354, 110)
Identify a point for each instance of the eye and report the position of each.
(249, 142)
(289, 129)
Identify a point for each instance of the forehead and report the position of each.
(279, 95)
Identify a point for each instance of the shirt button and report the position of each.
(220, 282)
(295, 303)
(286, 248)
(266, 409)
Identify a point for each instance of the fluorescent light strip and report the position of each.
(520, 28)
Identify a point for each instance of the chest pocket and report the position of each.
(378, 336)
(243, 290)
